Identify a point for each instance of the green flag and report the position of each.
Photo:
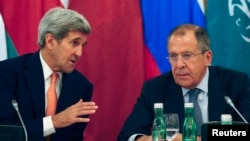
(7, 48)
(11, 50)
(228, 25)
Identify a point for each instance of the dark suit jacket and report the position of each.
(163, 89)
(22, 79)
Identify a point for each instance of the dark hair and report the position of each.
(200, 34)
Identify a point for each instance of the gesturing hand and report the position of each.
(74, 113)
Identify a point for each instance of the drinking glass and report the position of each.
(172, 125)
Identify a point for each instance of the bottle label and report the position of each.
(159, 135)
(226, 122)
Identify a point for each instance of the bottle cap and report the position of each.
(189, 105)
(158, 105)
(226, 117)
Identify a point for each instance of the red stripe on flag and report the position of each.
(22, 22)
(151, 67)
(114, 61)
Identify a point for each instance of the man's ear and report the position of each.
(209, 57)
(49, 39)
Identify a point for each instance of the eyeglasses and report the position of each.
(173, 58)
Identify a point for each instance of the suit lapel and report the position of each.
(215, 96)
(173, 95)
(68, 94)
(35, 81)
(174, 99)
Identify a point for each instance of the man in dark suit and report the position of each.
(62, 35)
(190, 58)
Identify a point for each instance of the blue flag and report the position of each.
(160, 17)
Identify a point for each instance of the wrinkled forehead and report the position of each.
(183, 41)
(182, 37)
(182, 32)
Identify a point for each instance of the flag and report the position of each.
(228, 24)
(65, 3)
(7, 49)
(21, 23)
(159, 18)
(112, 61)
(3, 46)
(126, 47)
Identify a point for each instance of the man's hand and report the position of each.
(74, 113)
(144, 138)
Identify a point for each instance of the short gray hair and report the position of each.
(200, 34)
(59, 22)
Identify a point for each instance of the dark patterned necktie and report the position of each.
(193, 94)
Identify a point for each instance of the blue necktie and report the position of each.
(193, 94)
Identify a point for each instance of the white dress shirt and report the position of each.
(48, 127)
(202, 100)
(202, 97)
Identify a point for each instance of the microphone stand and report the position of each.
(229, 101)
(15, 105)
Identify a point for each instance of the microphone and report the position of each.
(15, 105)
(229, 101)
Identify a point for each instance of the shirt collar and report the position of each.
(46, 69)
(203, 85)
